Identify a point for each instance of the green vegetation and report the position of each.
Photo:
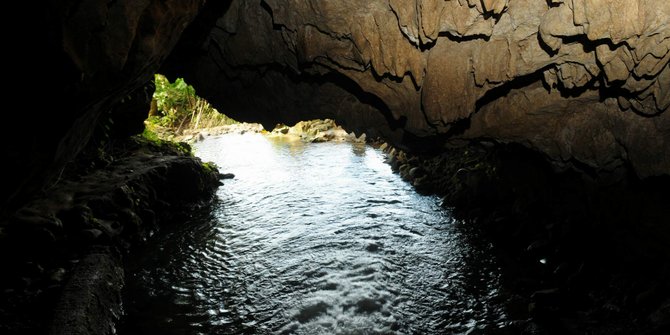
(210, 166)
(176, 107)
(152, 139)
(150, 136)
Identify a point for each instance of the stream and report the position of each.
(311, 238)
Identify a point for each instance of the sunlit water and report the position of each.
(311, 239)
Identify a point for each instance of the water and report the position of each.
(311, 239)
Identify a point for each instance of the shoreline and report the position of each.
(578, 253)
(62, 253)
(312, 131)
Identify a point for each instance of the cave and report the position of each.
(542, 125)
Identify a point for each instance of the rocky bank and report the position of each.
(61, 254)
(579, 257)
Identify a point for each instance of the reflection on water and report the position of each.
(311, 239)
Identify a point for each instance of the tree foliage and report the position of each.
(178, 107)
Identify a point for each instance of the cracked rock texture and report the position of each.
(585, 82)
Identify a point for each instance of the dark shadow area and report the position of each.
(515, 84)
(615, 91)
(580, 256)
(46, 67)
(193, 38)
(268, 9)
(456, 38)
(367, 98)
(545, 47)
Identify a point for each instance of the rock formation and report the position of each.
(586, 82)
(88, 62)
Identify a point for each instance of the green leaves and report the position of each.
(175, 101)
(179, 108)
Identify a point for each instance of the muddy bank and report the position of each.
(63, 251)
(583, 254)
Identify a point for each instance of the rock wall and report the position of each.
(586, 82)
(75, 62)
(61, 255)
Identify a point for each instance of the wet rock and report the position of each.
(111, 228)
(34, 218)
(539, 247)
(32, 269)
(660, 318)
(76, 218)
(368, 305)
(311, 312)
(148, 217)
(545, 302)
(477, 330)
(123, 197)
(416, 172)
(56, 275)
(129, 221)
(517, 306)
(100, 208)
(226, 176)
(563, 271)
(90, 235)
(44, 237)
(103, 206)
(404, 171)
(373, 247)
(393, 152)
(648, 297)
(383, 147)
(414, 161)
(282, 130)
(533, 328)
(90, 303)
(423, 185)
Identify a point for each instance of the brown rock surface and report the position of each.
(586, 82)
(582, 81)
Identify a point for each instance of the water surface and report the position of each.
(311, 239)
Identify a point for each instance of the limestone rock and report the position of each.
(581, 81)
(417, 73)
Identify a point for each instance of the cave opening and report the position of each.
(522, 188)
(322, 227)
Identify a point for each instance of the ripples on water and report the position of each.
(311, 239)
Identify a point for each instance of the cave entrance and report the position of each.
(314, 234)
(177, 113)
